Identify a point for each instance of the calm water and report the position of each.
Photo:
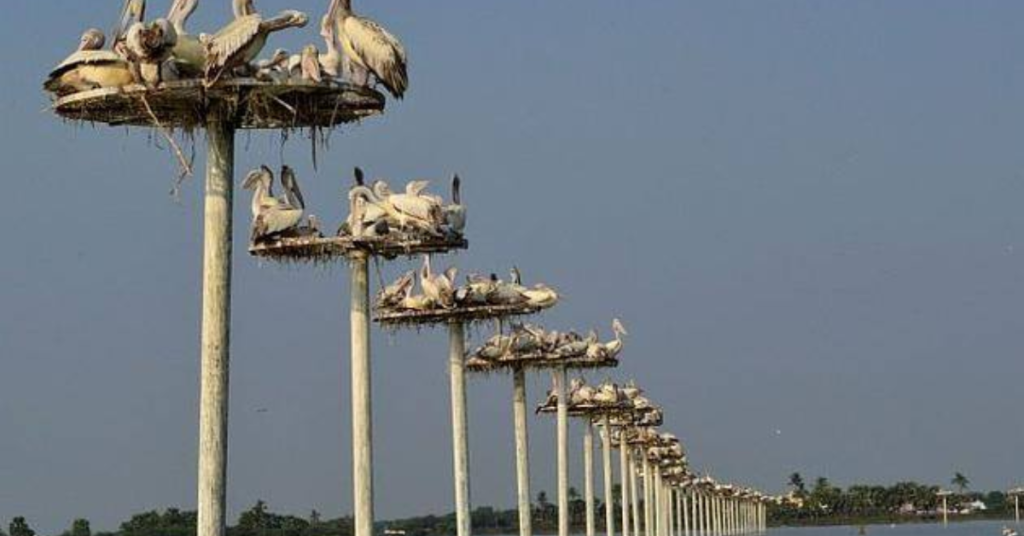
(974, 528)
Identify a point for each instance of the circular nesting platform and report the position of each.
(317, 249)
(251, 103)
(537, 361)
(479, 313)
(587, 410)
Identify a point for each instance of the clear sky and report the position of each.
(807, 213)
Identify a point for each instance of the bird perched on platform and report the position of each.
(189, 54)
(274, 68)
(310, 64)
(370, 49)
(271, 215)
(440, 288)
(89, 67)
(242, 40)
(149, 46)
(331, 61)
(455, 213)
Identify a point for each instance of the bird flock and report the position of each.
(355, 50)
(374, 212)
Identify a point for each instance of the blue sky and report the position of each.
(806, 213)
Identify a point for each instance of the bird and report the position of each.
(89, 67)
(241, 41)
(613, 348)
(189, 54)
(414, 207)
(290, 184)
(370, 49)
(310, 64)
(273, 69)
(132, 12)
(393, 294)
(271, 215)
(148, 46)
(331, 61)
(455, 214)
(438, 287)
(541, 296)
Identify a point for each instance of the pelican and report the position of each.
(242, 39)
(271, 215)
(370, 49)
(89, 67)
(272, 69)
(393, 294)
(290, 184)
(332, 61)
(541, 296)
(133, 12)
(189, 55)
(438, 287)
(455, 214)
(149, 46)
(478, 290)
(420, 302)
(422, 211)
(309, 63)
(613, 348)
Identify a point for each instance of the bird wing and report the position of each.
(232, 38)
(382, 52)
(86, 57)
(415, 188)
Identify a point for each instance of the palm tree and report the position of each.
(797, 483)
(960, 481)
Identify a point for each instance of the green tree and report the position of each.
(19, 527)
(960, 481)
(797, 483)
(81, 527)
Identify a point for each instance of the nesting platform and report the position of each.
(586, 410)
(317, 249)
(465, 315)
(253, 104)
(537, 361)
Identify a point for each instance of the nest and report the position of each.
(587, 409)
(455, 315)
(537, 361)
(316, 249)
(250, 103)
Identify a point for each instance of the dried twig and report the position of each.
(186, 165)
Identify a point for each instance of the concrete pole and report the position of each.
(624, 487)
(460, 427)
(648, 514)
(702, 513)
(522, 452)
(634, 494)
(716, 518)
(1016, 508)
(685, 493)
(216, 326)
(588, 476)
(606, 458)
(656, 503)
(362, 408)
(682, 513)
(945, 512)
(563, 452)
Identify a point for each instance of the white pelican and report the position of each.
(613, 348)
(189, 53)
(271, 215)
(273, 69)
(310, 64)
(438, 287)
(242, 39)
(540, 296)
(393, 294)
(455, 214)
(149, 46)
(89, 67)
(331, 61)
(370, 49)
(422, 211)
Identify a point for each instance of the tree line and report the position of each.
(825, 503)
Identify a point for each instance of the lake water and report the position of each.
(973, 528)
